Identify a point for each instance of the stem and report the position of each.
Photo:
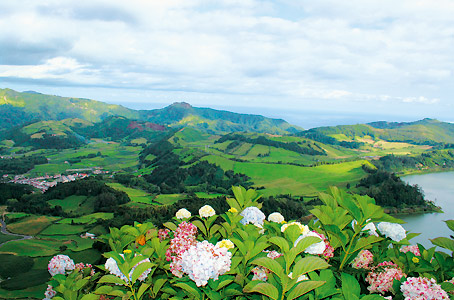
(348, 251)
(132, 290)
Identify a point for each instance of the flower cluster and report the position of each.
(300, 278)
(370, 227)
(317, 248)
(392, 230)
(252, 215)
(183, 213)
(304, 229)
(163, 234)
(381, 277)
(204, 261)
(421, 288)
(412, 248)
(81, 266)
(60, 264)
(260, 273)
(184, 238)
(49, 293)
(363, 260)
(226, 244)
(272, 254)
(276, 218)
(206, 211)
(112, 266)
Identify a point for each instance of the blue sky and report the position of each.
(334, 60)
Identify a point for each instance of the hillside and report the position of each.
(422, 132)
(19, 108)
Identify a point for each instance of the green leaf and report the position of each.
(223, 283)
(80, 283)
(90, 297)
(270, 264)
(363, 242)
(443, 242)
(170, 225)
(188, 288)
(143, 287)
(350, 285)
(258, 248)
(303, 287)
(140, 269)
(450, 224)
(102, 290)
(111, 279)
(309, 264)
(281, 243)
(200, 226)
(158, 285)
(266, 289)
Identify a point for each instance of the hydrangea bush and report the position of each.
(243, 254)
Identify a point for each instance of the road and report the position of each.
(5, 231)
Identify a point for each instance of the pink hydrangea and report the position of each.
(381, 277)
(184, 238)
(421, 288)
(60, 264)
(412, 248)
(49, 293)
(260, 273)
(163, 234)
(81, 266)
(363, 260)
(205, 261)
(273, 254)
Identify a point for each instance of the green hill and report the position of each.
(423, 132)
(18, 108)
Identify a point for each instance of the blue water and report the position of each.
(438, 187)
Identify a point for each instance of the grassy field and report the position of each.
(135, 195)
(208, 195)
(87, 219)
(69, 204)
(168, 199)
(31, 225)
(5, 238)
(63, 229)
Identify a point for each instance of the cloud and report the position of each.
(310, 52)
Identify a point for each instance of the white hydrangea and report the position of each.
(370, 227)
(59, 264)
(300, 278)
(252, 215)
(276, 218)
(206, 211)
(304, 228)
(392, 230)
(183, 213)
(317, 248)
(112, 266)
(204, 261)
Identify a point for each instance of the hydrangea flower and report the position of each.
(184, 238)
(363, 260)
(392, 230)
(49, 293)
(276, 218)
(163, 234)
(252, 215)
(412, 248)
(300, 278)
(60, 264)
(112, 266)
(226, 243)
(317, 248)
(81, 266)
(370, 227)
(205, 261)
(206, 211)
(260, 273)
(304, 229)
(183, 213)
(381, 277)
(273, 254)
(421, 288)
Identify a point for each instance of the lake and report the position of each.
(438, 187)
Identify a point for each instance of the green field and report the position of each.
(63, 229)
(168, 199)
(208, 195)
(87, 219)
(135, 195)
(31, 225)
(5, 238)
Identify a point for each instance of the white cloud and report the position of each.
(296, 51)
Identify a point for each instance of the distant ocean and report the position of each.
(304, 118)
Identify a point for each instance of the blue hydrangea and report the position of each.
(252, 215)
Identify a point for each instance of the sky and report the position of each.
(312, 63)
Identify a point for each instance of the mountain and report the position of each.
(18, 108)
(426, 131)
